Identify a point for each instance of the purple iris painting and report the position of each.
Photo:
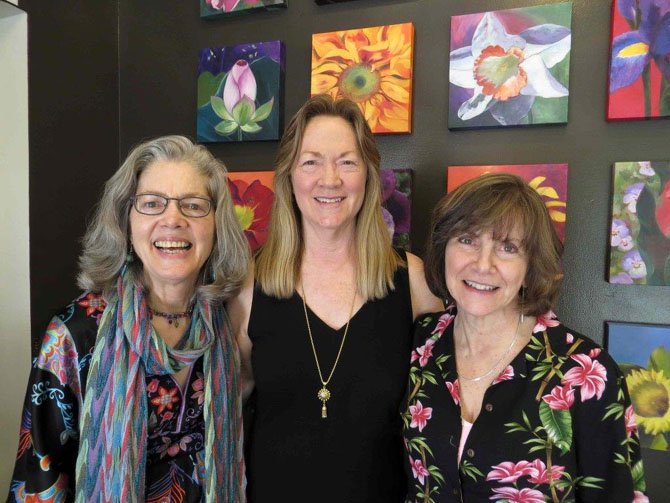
(239, 92)
(510, 67)
(639, 76)
(397, 204)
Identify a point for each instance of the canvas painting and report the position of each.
(643, 353)
(225, 8)
(325, 2)
(240, 92)
(253, 193)
(373, 68)
(549, 180)
(397, 204)
(639, 74)
(510, 67)
(640, 232)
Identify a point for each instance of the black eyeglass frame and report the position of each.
(210, 204)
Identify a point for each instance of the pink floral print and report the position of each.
(545, 321)
(513, 495)
(418, 470)
(505, 375)
(454, 391)
(508, 471)
(590, 375)
(420, 415)
(539, 474)
(560, 398)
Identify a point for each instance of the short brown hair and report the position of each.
(278, 261)
(498, 202)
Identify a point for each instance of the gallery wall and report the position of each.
(158, 58)
(105, 75)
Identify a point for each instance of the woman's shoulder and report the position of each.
(78, 320)
(577, 349)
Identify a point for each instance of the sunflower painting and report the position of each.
(252, 193)
(643, 353)
(373, 68)
(549, 180)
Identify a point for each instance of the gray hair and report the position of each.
(105, 243)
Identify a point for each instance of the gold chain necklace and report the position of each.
(324, 394)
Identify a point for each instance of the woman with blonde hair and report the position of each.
(135, 392)
(326, 328)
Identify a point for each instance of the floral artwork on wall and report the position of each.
(372, 67)
(252, 193)
(640, 232)
(240, 92)
(225, 8)
(549, 180)
(643, 353)
(510, 67)
(397, 204)
(639, 75)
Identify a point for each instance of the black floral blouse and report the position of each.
(49, 434)
(556, 425)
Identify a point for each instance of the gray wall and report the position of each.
(75, 142)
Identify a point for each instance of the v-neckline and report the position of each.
(313, 315)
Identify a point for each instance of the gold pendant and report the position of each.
(323, 395)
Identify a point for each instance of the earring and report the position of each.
(130, 256)
(523, 295)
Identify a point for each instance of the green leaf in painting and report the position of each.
(664, 100)
(659, 360)
(252, 127)
(207, 86)
(243, 111)
(558, 426)
(225, 127)
(659, 442)
(263, 111)
(220, 109)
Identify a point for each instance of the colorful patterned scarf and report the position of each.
(111, 463)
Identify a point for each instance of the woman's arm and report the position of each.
(239, 310)
(49, 433)
(423, 300)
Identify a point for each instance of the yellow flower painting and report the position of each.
(373, 68)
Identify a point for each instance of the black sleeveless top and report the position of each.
(355, 454)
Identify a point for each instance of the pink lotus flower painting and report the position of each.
(639, 75)
(225, 8)
(549, 180)
(253, 194)
(640, 232)
(397, 204)
(510, 67)
(239, 92)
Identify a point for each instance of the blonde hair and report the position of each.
(499, 202)
(105, 243)
(278, 261)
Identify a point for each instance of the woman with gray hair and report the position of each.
(134, 395)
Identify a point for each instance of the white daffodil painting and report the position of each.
(510, 67)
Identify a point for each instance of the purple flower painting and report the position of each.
(397, 204)
(225, 8)
(640, 230)
(239, 92)
(639, 75)
(510, 67)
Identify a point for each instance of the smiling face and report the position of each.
(329, 175)
(484, 274)
(173, 248)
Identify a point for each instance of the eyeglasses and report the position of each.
(154, 204)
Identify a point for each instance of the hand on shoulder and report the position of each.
(423, 300)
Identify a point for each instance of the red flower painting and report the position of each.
(252, 196)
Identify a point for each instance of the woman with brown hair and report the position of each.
(327, 326)
(504, 402)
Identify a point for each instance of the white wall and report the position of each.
(14, 252)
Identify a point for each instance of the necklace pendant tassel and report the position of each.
(324, 411)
